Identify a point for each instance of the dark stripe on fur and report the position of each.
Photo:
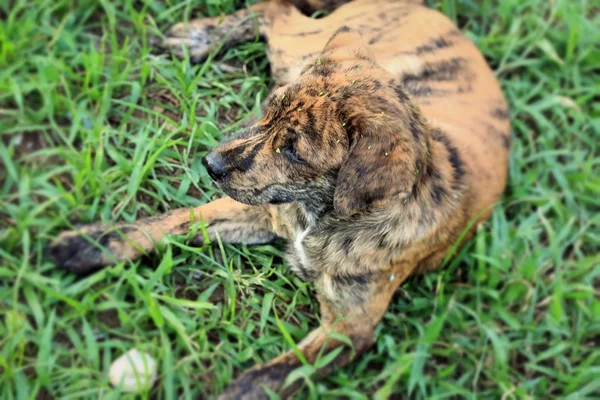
(360, 279)
(454, 158)
(500, 113)
(433, 45)
(445, 70)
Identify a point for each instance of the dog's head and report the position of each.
(344, 135)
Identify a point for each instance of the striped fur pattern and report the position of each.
(387, 135)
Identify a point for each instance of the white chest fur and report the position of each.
(300, 235)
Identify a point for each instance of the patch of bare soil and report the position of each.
(25, 142)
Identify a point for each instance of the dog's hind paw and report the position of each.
(195, 37)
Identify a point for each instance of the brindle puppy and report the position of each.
(387, 137)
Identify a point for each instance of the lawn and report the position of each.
(95, 125)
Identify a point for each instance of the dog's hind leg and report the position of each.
(93, 246)
(205, 35)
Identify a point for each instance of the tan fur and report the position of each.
(387, 137)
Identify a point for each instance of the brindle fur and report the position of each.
(387, 136)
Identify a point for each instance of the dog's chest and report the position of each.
(300, 257)
(298, 246)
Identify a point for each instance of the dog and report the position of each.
(383, 145)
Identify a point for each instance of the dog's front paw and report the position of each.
(250, 385)
(77, 252)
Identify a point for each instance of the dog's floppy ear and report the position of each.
(385, 161)
(388, 140)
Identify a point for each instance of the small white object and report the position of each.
(392, 277)
(133, 372)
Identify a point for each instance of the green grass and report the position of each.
(95, 127)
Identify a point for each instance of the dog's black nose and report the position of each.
(215, 165)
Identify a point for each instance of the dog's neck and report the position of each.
(311, 213)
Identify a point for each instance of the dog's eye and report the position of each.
(292, 155)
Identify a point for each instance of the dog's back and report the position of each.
(444, 72)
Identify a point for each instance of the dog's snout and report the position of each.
(215, 165)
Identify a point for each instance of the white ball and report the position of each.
(133, 372)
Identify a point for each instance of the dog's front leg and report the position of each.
(93, 246)
(351, 307)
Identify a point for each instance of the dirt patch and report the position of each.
(25, 142)
(109, 318)
(44, 394)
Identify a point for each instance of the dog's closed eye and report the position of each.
(292, 154)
